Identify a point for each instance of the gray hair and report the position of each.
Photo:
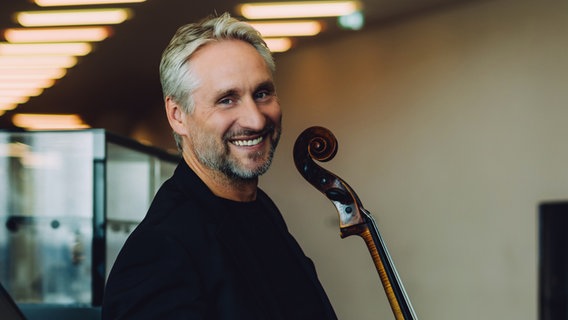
(176, 77)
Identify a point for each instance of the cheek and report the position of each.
(274, 113)
(220, 123)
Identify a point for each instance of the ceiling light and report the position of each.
(33, 92)
(13, 100)
(7, 107)
(31, 73)
(71, 48)
(15, 62)
(88, 34)
(52, 3)
(291, 28)
(278, 44)
(27, 84)
(10, 103)
(298, 9)
(48, 121)
(72, 17)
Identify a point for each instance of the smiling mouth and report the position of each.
(248, 143)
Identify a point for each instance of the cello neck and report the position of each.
(390, 279)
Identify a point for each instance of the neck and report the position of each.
(242, 190)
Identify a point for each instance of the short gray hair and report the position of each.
(176, 78)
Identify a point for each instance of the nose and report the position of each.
(252, 117)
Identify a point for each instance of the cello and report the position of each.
(320, 144)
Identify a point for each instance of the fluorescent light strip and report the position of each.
(48, 121)
(89, 34)
(71, 48)
(7, 107)
(28, 84)
(55, 3)
(278, 44)
(16, 74)
(14, 62)
(298, 9)
(33, 92)
(13, 100)
(72, 17)
(31, 68)
(287, 29)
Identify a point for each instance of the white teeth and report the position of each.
(248, 143)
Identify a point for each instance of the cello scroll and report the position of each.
(320, 144)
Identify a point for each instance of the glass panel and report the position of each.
(55, 189)
(46, 210)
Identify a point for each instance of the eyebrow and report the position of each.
(265, 85)
(224, 93)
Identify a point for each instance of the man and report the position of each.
(213, 245)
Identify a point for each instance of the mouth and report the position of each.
(247, 142)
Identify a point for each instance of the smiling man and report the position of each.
(230, 135)
(213, 245)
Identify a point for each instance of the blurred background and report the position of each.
(450, 117)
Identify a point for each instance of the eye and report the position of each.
(226, 101)
(264, 92)
(227, 98)
(261, 95)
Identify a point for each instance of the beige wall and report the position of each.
(452, 128)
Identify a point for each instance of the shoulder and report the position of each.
(178, 223)
(161, 260)
(183, 203)
(271, 208)
(175, 215)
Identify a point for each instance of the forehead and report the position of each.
(226, 56)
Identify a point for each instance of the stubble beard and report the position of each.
(217, 156)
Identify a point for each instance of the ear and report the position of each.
(175, 116)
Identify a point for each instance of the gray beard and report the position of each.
(222, 161)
